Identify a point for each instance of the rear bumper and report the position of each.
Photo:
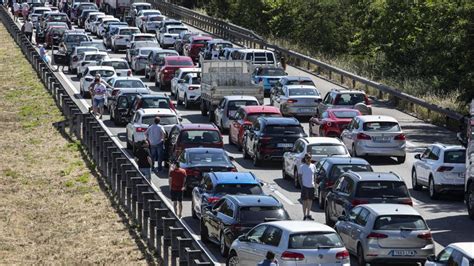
(300, 110)
(380, 151)
(377, 254)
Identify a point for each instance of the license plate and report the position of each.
(381, 139)
(403, 253)
(285, 145)
(306, 110)
(272, 81)
(461, 175)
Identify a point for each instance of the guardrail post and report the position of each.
(191, 255)
(141, 188)
(152, 205)
(147, 196)
(182, 244)
(133, 196)
(175, 232)
(167, 223)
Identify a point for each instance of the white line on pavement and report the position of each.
(74, 89)
(283, 197)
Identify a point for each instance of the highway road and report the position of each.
(446, 217)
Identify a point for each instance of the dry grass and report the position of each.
(52, 210)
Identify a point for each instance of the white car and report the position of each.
(95, 25)
(441, 168)
(319, 147)
(143, 118)
(293, 243)
(123, 37)
(461, 254)
(141, 16)
(93, 22)
(120, 65)
(106, 73)
(100, 30)
(375, 135)
(143, 37)
(76, 56)
(189, 90)
(227, 108)
(152, 23)
(90, 59)
(180, 74)
(169, 35)
(140, 59)
(91, 18)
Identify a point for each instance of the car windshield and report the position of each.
(128, 31)
(349, 99)
(155, 103)
(58, 31)
(339, 169)
(327, 149)
(179, 62)
(259, 214)
(274, 129)
(103, 73)
(162, 55)
(196, 80)
(381, 189)
(381, 126)
(157, 18)
(201, 136)
(145, 51)
(253, 117)
(199, 42)
(76, 38)
(116, 64)
(315, 240)
(271, 72)
(144, 38)
(457, 156)
(303, 92)
(345, 114)
(128, 84)
(234, 105)
(95, 57)
(164, 120)
(176, 30)
(399, 222)
(208, 158)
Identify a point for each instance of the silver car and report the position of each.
(296, 100)
(227, 108)
(386, 233)
(375, 135)
(293, 242)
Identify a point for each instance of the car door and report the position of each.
(234, 127)
(130, 127)
(219, 112)
(213, 216)
(358, 227)
(340, 198)
(224, 218)
(421, 164)
(269, 241)
(348, 135)
(333, 197)
(344, 228)
(183, 86)
(248, 249)
(432, 163)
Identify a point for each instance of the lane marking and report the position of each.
(74, 89)
(283, 197)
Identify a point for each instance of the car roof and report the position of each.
(331, 110)
(132, 90)
(375, 118)
(115, 59)
(376, 176)
(447, 147)
(176, 27)
(233, 178)
(195, 126)
(321, 140)
(162, 51)
(345, 160)
(261, 109)
(101, 68)
(86, 47)
(391, 209)
(280, 120)
(294, 226)
(297, 78)
(240, 97)
(156, 111)
(129, 28)
(144, 35)
(141, 4)
(201, 37)
(297, 86)
(467, 248)
(129, 78)
(154, 96)
(338, 91)
(255, 200)
(204, 150)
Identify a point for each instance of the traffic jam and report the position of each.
(321, 142)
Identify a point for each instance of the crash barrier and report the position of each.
(247, 38)
(164, 234)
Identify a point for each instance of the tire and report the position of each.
(320, 200)
(401, 159)
(434, 195)
(283, 174)
(256, 161)
(470, 200)
(328, 220)
(187, 105)
(223, 248)
(233, 259)
(414, 181)
(360, 256)
(204, 233)
(204, 110)
(296, 179)
(178, 101)
(193, 211)
(129, 146)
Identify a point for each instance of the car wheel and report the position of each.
(178, 101)
(223, 247)
(129, 146)
(284, 174)
(203, 108)
(320, 200)
(432, 190)
(186, 103)
(193, 211)
(204, 233)
(414, 180)
(354, 151)
(327, 219)
(233, 259)
(360, 256)
(296, 179)
(470, 201)
(401, 159)
(256, 161)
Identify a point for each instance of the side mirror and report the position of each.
(232, 158)
(342, 218)
(180, 81)
(319, 100)
(418, 156)
(431, 258)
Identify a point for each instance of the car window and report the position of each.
(255, 234)
(201, 136)
(434, 154)
(208, 158)
(349, 99)
(339, 169)
(444, 255)
(164, 120)
(303, 92)
(399, 222)
(226, 209)
(349, 187)
(457, 156)
(426, 153)
(362, 217)
(353, 213)
(345, 114)
(381, 126)
(325, 115)
(327, 149)
(315, 240)
(259, 214)
(242, 189)
(272, 236)
(382, 189)
(279, 130)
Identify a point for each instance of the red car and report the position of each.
(244, 117)
(183, 136)
(165, 73)
(54, 36)
(195, 45)
(332, 122)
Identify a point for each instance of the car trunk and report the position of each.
(405, 239)
(400, 231)
(326, 256)
(303, 101)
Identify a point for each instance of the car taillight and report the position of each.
(444, 168)
(292, 101)
(342, 255)
(407, 202)
(363, 136)
(289, 255)
(425, 236)
(236, 227)
(193, 172)
(377, 235)
(400, 137)
(140, 129)
(265, 139)
(191, 88)
(212, 199)
(356, 202)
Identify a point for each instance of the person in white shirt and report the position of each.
(16, 10)
(98, 90)
(306, 173)
(155, 135)
(28, 29)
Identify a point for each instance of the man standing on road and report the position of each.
(177, 181)
(143, 159)
(28, 29)
(155, 134)
(306, 173)
(269, 260)
(98, 90)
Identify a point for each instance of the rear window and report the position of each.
(258, 214)
(199, 42)
(208, 158)
(315, 240)
(129, 84)
(253, 117)
(349, 99)
(144, 38)
(272, 72)
(260, 57)
(57, 18)
(95, 57)
(162, 55)
(128, 31)
(243, 189)
(284, 130)
(116, 65)
(381, 189)
(201, 136)
(179, 63)
(300, 82)
(176, 30)
(400, 222)
(303, 92)
(76, 38)
(155, 18)
(327, 149)
(381, 126)
(338, 170)
(145, 51)
(234, 105)
(164, 120)
(103, 73)
(458, 156)
(58, 31)
(155, 103)
(345, 114)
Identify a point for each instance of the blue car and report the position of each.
(267, 76)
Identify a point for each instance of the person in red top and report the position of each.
(177, 183)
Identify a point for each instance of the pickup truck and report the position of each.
(221, 78)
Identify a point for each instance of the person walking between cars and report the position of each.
(98, 90)
(269, 260)
(177, 184)
(16, 10)
(28, 29)
(306, 173)
(143, 159)
(155, 135)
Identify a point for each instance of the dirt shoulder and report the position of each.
(52, 209)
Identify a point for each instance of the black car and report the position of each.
(270, 137)
(118, 105)
(233, 216)
(329, 169)
(356, 188)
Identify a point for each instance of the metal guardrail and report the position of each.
(249, 39)
(164, 234)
